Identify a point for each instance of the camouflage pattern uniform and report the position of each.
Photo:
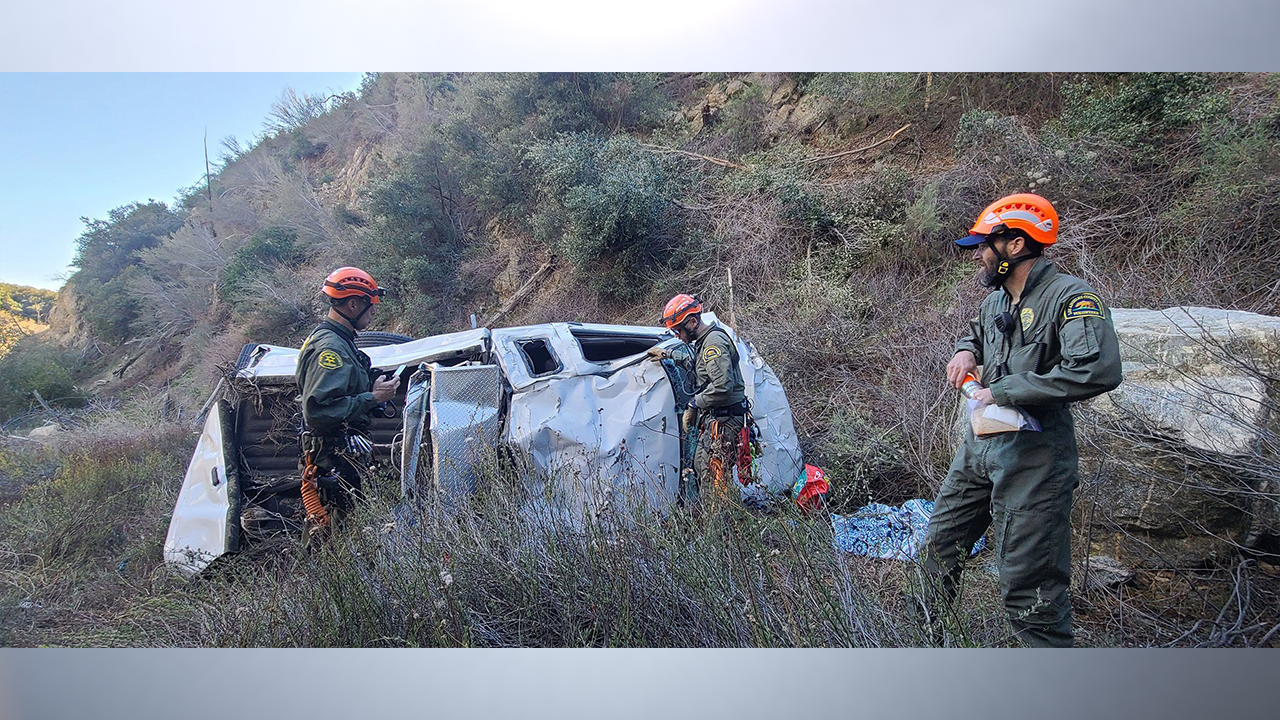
(1061, 348)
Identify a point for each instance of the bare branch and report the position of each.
(846, 153)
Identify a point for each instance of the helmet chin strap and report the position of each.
(1005, 266)
(354, 320)
(688, 330)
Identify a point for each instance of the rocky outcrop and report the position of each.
(1180, 462)
(787, 108)
(64, 322)
(811, 113)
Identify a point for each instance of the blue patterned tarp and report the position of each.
(884, 531)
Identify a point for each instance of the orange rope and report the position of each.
(317, 516)
(743, 450)
(716, 463)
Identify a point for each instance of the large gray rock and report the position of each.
(45, 431)
(786, 93)
(1179, 461)
(1197, 374)
(811, 113)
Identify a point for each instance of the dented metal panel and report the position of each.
(605, 432)
(465, 403)
(204, 518)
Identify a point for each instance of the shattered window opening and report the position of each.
(604, 347)
(539, 358)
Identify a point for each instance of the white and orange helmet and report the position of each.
(1027, 212)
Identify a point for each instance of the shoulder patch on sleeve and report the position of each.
(1083, 305)
(329, 360)
(712, 352)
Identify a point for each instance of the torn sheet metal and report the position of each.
(415, 418)
(602, 434)
(465, 402)
(205, 518)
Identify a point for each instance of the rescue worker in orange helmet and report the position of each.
(1044, 340)
(719, 403)
(338, 387)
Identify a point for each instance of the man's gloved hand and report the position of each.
(657, 354)
(690, 415)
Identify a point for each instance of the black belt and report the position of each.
(729, 410)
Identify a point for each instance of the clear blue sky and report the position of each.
(80, 144)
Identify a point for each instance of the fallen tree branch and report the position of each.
(682, 206)
(43, 404)
(846, 153)
(705, 158)
(524, 290)
(120, 373)
(213, 397)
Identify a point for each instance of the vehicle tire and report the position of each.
(375, 338)
(245, 353)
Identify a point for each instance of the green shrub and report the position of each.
(92, 509)
(924, 216)
(110, 307)
(779, 174)
(412, 244)
(108, 246)
(1140, 111)
(271, 248)
(605, 204)
(302, 147)
(870, 93)
(493, 119)
(27, 302)
(107, 258)
(347, 216)
(742, 121)
(39, 367)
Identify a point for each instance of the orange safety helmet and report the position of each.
(679, 308)
(1027, 212)
(348, 282)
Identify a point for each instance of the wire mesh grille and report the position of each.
(464, 423)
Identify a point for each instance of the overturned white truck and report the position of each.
(579, 401)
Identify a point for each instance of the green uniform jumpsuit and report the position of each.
(337, 397)
(1060, 347)
(720, 398)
